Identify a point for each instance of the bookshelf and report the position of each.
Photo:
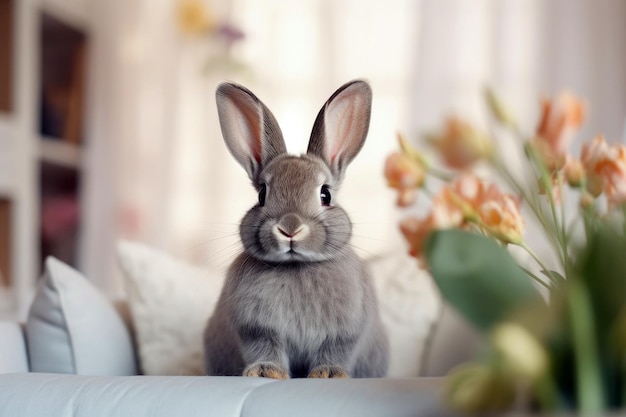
(44, 56)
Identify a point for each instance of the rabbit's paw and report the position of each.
(328, 371)
(266, 370)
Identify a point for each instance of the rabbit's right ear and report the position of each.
(250, 130)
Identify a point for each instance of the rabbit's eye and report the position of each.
(325, 195)
(262, 193)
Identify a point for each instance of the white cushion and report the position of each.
(170, 303)
(408, 303)
(72, 329)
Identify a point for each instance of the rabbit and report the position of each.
(298, 302)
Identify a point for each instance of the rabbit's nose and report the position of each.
(290, 227)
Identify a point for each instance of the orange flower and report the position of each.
(416, 231)
(470, 200)
(461, 145)
(471, 189)
(559, 121)
(500, 214)
(484, 205)
(605, 166)
(405, 175)
(467, 201)
(449, 209)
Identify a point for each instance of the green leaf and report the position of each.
(478, 278)
(603, 271)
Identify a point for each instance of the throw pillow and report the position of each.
(170, 303)
(73, 329)
(409, 303)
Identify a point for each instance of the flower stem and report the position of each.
(535, 277)
(437, 173)
(557, 226)
(589, 384)
(527, 248)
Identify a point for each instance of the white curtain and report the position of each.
(161, 173)
(524, 49)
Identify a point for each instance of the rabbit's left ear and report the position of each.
(341, 126)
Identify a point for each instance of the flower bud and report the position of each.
(499, 110)
(461, 145)
(586, 200)
(574, 172)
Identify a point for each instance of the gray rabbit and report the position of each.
(298, 302)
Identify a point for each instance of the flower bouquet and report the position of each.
(556, 335)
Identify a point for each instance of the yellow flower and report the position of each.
(193, 17)
(560, 119)
(461, 145)
(523, 353)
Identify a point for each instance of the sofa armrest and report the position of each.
(38, 394)
(13, 356)
(382, 397)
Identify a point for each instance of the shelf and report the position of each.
(7, 9)
(61, 153)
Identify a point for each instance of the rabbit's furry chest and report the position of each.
(302, 303)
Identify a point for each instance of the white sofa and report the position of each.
(97, 381)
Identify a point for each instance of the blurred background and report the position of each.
(108, 125)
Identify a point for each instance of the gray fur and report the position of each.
(296, 306)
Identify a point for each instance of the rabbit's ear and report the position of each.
(341, 126)
(250, 130)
